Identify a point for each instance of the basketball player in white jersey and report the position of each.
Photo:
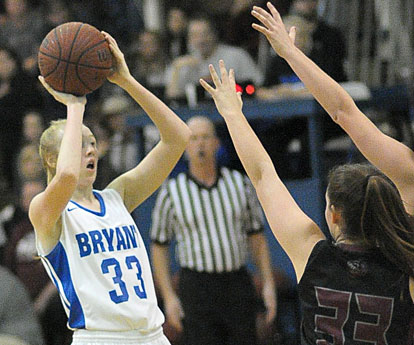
(87, 239)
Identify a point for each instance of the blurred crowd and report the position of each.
(169, 62)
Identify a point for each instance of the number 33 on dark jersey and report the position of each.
(351, 296)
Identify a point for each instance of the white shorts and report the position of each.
(87, 337)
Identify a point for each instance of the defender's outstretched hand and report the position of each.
(226, 98)
(64, 98)
(275, 31)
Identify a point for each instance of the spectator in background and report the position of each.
(123, 19)
(205, 48)
(84, 11)
(16, 310)
(213, 214)
(8, 204)
(322, 43)
(17, 212)
(29, 164)
(124, 153)
(221, 12)
(20, 251)
(33, 126)
(18, 93)
(231, 18)
(326, 47)
(20, 256)
(148, 61)
(236, 26)
(177, 22)
(22, 28)
(57, 12)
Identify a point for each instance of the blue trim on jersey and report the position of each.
(59, 261)
(101, 213)
(55, 282)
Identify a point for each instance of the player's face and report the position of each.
(89, 161)
(201, 37)
(203, 143)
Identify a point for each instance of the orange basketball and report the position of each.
(75, 58)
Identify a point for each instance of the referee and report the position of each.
(214, 215)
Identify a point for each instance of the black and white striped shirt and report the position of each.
(210, 224)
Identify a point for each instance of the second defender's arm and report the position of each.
(392, 157)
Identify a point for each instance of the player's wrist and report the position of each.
(125, 81)
(77, 103)
(230, 114)
(291, 53)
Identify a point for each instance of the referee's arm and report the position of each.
(161, 234)
(261, 256)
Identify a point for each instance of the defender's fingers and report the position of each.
(275, 13)
(214, 76)
(265, 20)
(232, 78)
(261, 29)
(223, 71)
(263, 13)
(207, 86)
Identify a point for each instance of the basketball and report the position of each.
(75, 58)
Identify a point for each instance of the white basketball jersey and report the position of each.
(101, 269)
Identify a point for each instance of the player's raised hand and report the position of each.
(275, 31)
(227, 100)
(65, 98)
(120, 68)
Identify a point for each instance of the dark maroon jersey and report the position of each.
(354, 296)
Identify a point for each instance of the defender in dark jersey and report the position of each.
(354, 295)
(395, 160)
(356, 288)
